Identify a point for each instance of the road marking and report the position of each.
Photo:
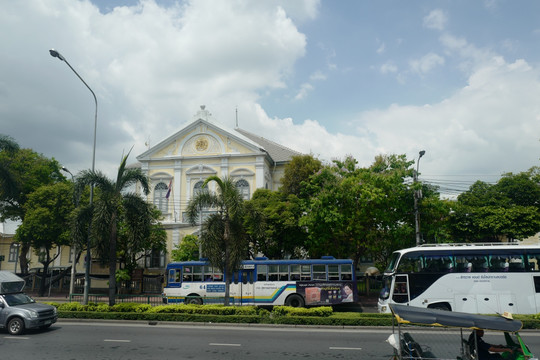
(114, 340)
(16, 337)
(217, 344)
(343, 348)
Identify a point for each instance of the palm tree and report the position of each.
(223, 238)
(6, 179)
(113, 203)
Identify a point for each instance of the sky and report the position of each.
(458, 79)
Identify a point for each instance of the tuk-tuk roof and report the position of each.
(434, 317)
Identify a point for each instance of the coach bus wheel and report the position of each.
(194, 300)
(295, 300)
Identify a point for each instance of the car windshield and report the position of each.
(18, 299)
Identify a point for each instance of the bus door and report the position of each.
(243, 285)
(400, 292)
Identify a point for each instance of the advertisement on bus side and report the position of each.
(326, 293)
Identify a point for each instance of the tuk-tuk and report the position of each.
(406, 347)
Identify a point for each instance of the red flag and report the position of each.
(169, 191)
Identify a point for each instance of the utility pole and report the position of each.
(417, 196)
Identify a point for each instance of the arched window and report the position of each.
(197, 188)
(160, 197)
(243, 188)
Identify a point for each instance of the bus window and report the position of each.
(261, 272)
(174, 275)
(401, 293)
(533, 262)
(393, 262)
(498, 264)
(305, 273)
(283, 272)
(295, 272)
(208, 273)
(197, 273)
(480, 263)
(218, 275)
(333, 272)
(188, 274)
(410, 263)
(272, 273)
(346, 272)
(463, 263)
(319, 272)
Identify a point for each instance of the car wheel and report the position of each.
(16, 326)
(295, 301)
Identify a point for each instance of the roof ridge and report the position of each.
(245, 132)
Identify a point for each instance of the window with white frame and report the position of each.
(197, 188)
(243, 188)
(160, 197)
(13, 252)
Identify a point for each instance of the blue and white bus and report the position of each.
(298, 283)
(471, 278)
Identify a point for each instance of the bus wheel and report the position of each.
(295, 300)
(442, 306)
(194, 300)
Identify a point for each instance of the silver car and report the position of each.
(19, 311)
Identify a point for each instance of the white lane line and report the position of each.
(343, 348)
(218, 344)
(115, 340)
(16, 337)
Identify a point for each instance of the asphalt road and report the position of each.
(138, 340)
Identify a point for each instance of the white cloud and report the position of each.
(436, 19)
(426, 63)
(388, 67)
(304, 90)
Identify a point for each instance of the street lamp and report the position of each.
(74, 264)
(417, 196)
(56, 54)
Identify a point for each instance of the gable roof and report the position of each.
(277, 152)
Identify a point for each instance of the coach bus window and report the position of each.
(306, 273)
(463, 263)
(319, 272)
(295, 272)
(516, 263)
(480, 264)
(410, 263)
(533, 263)
(346, 272)
(333, 272)
(283, 272)
(261, 272)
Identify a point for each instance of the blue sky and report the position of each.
(459, 79)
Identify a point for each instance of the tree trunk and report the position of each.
(112, 262)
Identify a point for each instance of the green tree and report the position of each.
(112, 205)
(46, 223)
(505, 211)
(223, 239)
(297, 171)
(139, 232)
(272, 223)
(355, 212)
(29, 170)
(7, 182)
(187, 249)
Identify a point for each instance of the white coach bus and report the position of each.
(472, 278)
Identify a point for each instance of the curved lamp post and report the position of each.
(417, 196)
(56, 54)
